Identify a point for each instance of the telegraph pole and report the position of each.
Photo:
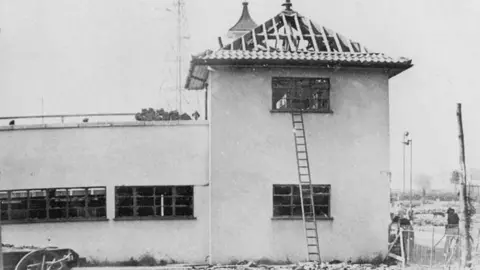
(466, 245)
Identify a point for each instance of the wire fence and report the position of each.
(432, 248)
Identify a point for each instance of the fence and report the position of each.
(433, 247)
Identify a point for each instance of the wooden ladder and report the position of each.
(306, 189)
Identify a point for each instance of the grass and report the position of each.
(143, 260)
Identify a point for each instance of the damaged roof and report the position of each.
(291, 39)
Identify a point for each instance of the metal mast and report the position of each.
(179, 54)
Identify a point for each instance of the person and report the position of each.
(451, 229)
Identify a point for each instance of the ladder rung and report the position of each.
(303, 166)
(312, 245)
(316, 253)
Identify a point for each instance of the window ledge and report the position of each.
(300, 218)
(32, 221)
(307, 111)
(152, 218)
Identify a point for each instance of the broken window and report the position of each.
(306, 94)
(154, 201)
(53, 204)
(287, 201)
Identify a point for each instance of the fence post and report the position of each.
(432, 250)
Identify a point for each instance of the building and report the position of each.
(225, 188)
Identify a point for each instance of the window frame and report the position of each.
(174, 196)
(27, 211)
(291, 85)
(292, 194)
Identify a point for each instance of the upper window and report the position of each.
(153, 201)
(32, 205)
(306, 94)
(287, 202)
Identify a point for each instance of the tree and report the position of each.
(424, 182)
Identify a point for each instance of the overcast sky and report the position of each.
(100, 56)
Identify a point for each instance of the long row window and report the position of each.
(287, 201)
(153, 201)
(133, 202)
(53, 204)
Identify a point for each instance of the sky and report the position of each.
(118, 56)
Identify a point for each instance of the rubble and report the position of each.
(304, 266)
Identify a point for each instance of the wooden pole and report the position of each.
(465, 222)
(1, 253)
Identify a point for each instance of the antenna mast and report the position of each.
(179, 54)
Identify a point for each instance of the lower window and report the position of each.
(32, 205)
(287, 201)
(154, 201)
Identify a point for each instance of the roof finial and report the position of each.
(287, 5)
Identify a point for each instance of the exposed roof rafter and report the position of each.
(292, 32)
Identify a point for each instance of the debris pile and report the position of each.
(305, 266)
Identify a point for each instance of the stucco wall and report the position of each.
(252, 149)
(157, 155)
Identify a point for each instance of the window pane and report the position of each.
(145, 211)
(322, 199)
(185, 201)
(124, 191)
(38, 214)
(282, 200)
(18, 214)
(322, 211)
(297, 210)
(184, 190)
(321, 189)
(183, 211)
(57, 213)
(165, 190)
(282, 211)
(4, 205)
(145, 201)
(19, 204)
(166, 200)
(4, 215)
(124, 201)
(74, 212)
(125, 211)
(77, 201)
(145, 191)
(97, 212)
(168, 211)
(97, 201)
(282, 190)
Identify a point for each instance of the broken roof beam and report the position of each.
(265, 36)
(254, 38)
(313, 37)
(337, 42)
(275, 31)
(320, 29)
(286, 27)
(299, 28)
